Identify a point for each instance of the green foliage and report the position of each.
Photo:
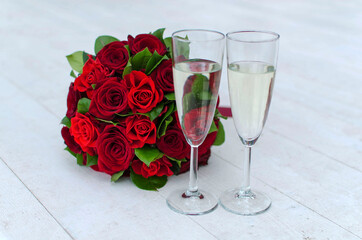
(140, 60)
(70, 151)
(116, 176)
(66, 121)
(165, 120)
(168, 44)
(79, 159)
(220, 137)
(152, 183)
(170, 96)
(148, 154)
(72, 74)
(102, 41)
(76, 61)
(213, 127)
(92, 160)
(154, 61)
(83, 105)
(156, 111)
(159, 34)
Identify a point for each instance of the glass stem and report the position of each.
(245, 187)
(193, 188)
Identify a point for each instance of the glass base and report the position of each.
(244, 203)
(192, 203)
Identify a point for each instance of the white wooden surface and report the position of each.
(308, 160)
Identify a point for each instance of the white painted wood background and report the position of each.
(308, 160)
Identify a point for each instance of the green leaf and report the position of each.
(159, 33)
(102, 41)
(170, 96)
(72, 74)
(168, 44)
(213, 127)
(66, 121)
(154, 61)
(220, 137)
(156, 111)
(86, 57)
(148, 154)
(76, 61)
(183, 48)
(140, 60)
(116, 176)
(127, 69)
(124, 114)
(83, 105)
(152, 183)
(70, 151)
(80, 159)
(106, 121)
(219, 115)
(92, 160)
(165, 120)
(178, 161)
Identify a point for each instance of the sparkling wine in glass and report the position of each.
(252, 59)
(197, 61)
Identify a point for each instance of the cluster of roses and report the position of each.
(121, 117)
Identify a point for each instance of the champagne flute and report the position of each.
(197, 62)
(252, 59)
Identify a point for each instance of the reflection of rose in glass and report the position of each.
(196, 124)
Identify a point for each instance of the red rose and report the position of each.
(202, 160)
(84, 133)
(195, 123)
(163, 77)
(114, 151)
(69, 141)
(72, 101)
(160, 167)
(209, 140)
(142, 41)
(93, 72)
(108, 99)
(143, 95)
(140, 130)
(174, 144)
(114, 56)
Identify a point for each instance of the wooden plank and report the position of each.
(21, 213)
(306, 176)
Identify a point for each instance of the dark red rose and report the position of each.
(143, 94)
(84, 133)
(143, 41)
(114, 151)
(174, 144)
(202, 160)
(140, 130)
(93, 72)
(163, 77)
(195, 123)
(114, 56)
(69, 141)
(160, 167)
(72, 101)
(108, 99)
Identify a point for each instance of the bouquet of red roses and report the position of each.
(121, 117)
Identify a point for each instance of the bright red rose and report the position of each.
(93, 72)
(108, 99)
(142, 41)
(72, 101)
(195, 123)
(160, 167)
(202, 160)
(69, 141)
(84, 133)
(174, 144)
(163, 77)
(143, 95)
(114, 56)
(114, 151)
(140, 130)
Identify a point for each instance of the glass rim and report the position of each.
(220, 34)
(274, 36)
